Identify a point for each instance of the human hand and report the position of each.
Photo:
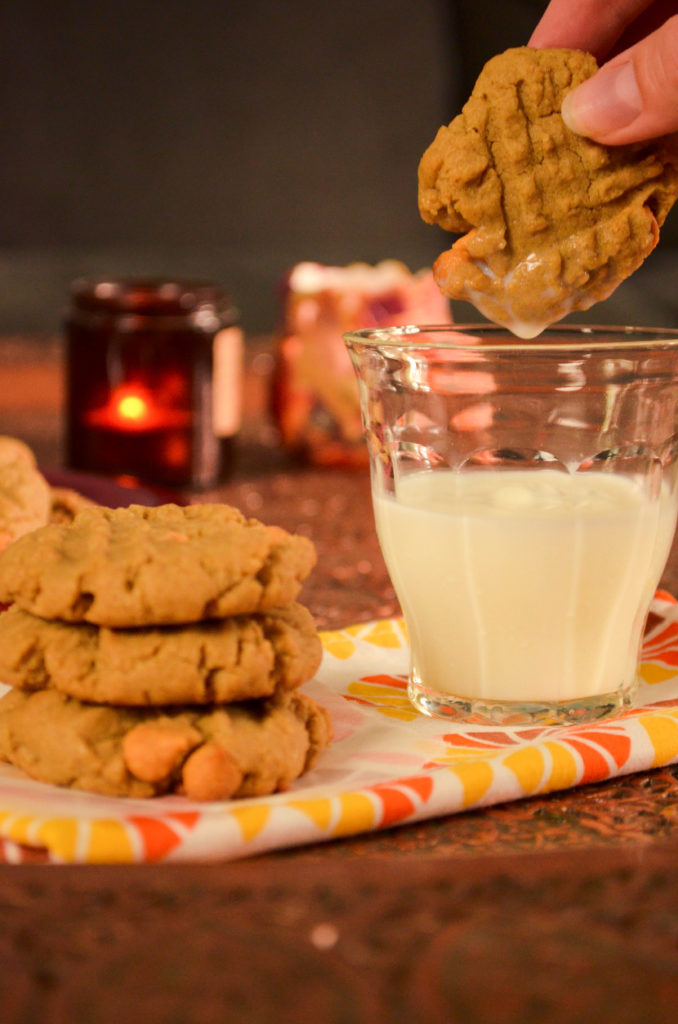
(634, 95)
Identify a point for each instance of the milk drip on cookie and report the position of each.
(551, 222)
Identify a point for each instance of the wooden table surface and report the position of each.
(556, 908)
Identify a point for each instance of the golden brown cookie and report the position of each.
(551, 221)
(249, 749)
(233, 659)
(141, 566)
(65, 502)
(24, 493)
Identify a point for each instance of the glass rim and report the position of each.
(570, 338)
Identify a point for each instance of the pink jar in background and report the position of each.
(315, 394)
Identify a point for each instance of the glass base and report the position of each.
(478, 711)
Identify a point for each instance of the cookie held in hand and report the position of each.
(551, 222)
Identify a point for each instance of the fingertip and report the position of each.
(576, 111)
(604, 104)
(568, 112)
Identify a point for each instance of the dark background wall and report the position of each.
(225, 139)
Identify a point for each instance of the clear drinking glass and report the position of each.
(525, 498)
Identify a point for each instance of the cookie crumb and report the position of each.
(324, 936)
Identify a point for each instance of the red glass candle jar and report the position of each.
(153, 380)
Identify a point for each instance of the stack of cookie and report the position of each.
(157, 650)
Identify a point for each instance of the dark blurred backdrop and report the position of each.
(229, 139)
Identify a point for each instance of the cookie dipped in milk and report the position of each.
(550, 221)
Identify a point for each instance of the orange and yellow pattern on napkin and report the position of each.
(387, 765)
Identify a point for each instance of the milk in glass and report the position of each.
(524, 585)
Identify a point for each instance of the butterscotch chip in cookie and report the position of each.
(142, 566)
(222, 660)
(249, 749)
(210, 773)
(151, 750)
(551, 221)
(24, 493)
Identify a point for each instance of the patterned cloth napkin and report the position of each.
(387, 765)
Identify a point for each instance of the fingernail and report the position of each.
(603, 104)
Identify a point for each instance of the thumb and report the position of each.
(632, 97)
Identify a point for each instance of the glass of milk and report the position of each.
(525, 497)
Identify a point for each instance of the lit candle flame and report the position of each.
(136, 409)
(132, 407)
